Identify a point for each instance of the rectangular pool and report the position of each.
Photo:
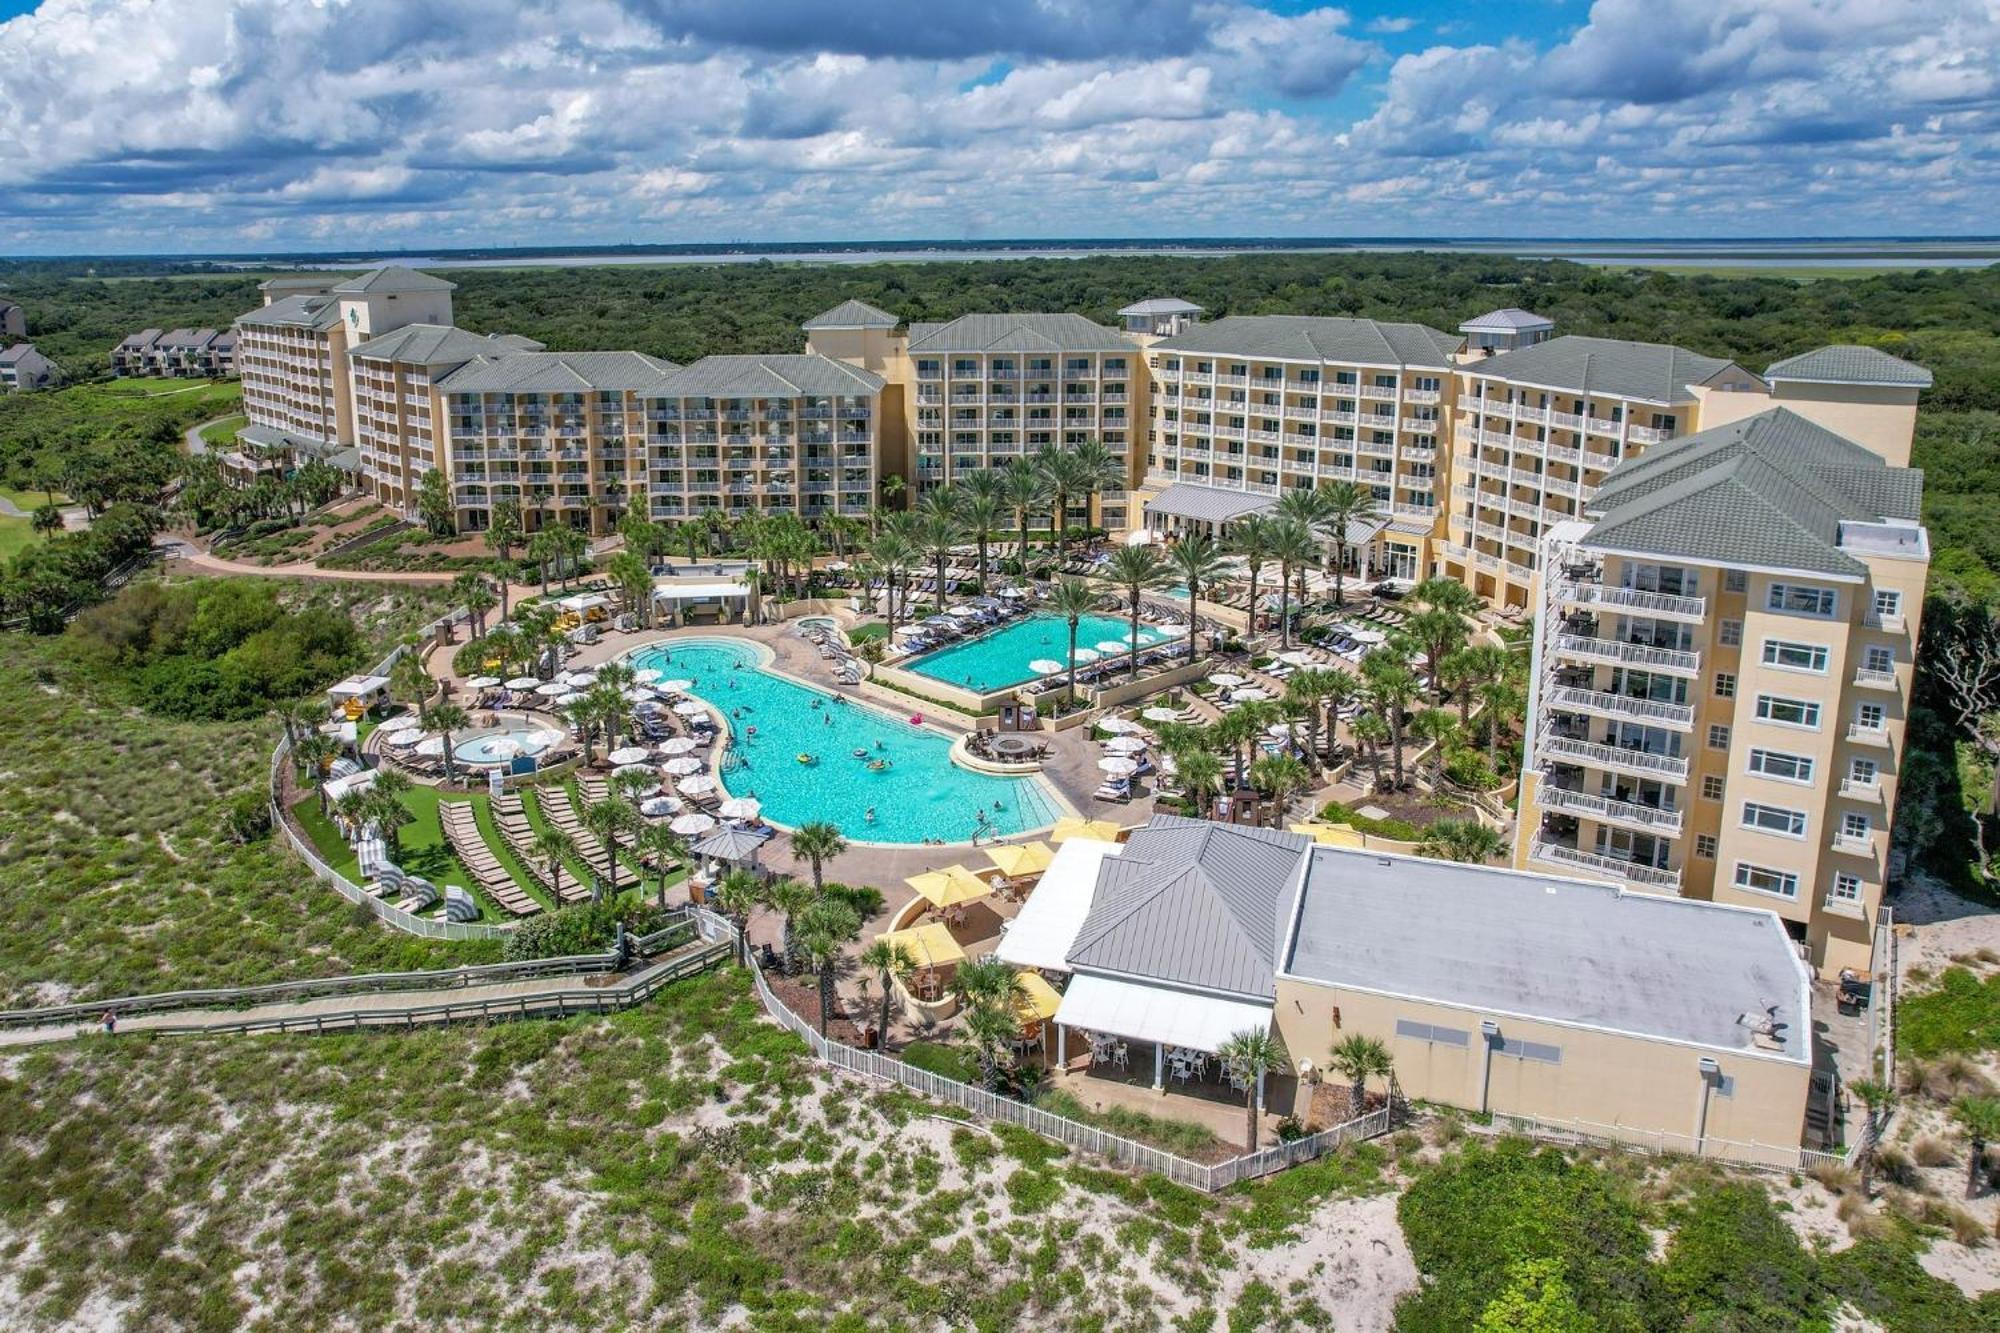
(1007, 655)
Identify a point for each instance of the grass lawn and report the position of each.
(423, 848)
(863, 633)
(16, 535)
(30, 498)
(221, 434)
(1961, 1015)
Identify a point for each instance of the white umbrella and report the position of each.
(647, 675)
(524, 682)
(583, 680)
(1369, 636)
(740, 807)
(565, 699)
(691, 708)
(1161, 715)
(690, 825)
(676, 686)
(1125, 745)
(637, 694)
(1110, 646)
(1282, 730)
(683, 766)
(545, 738)
(482, 682)
(655, 806)
(1248, 693)
(1297, 657)
(837, 566)
(554, 687)
(1226, 678)
(1119, 726)
(504, 748)
(680, 745)
(1045, 666)
(623, 769)
(961, 610)
(629, 754)
(431, 746)
(1085, 654)
(396, 724)
(699, 785)
(1117, 767)
(401, 738)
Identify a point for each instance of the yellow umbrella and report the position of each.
(1038, 999)
(1332, 835)
(930, 944)
(1030, 858)
(1103, 830)
(950, 886)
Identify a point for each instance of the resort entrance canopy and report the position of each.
(1159, 1014)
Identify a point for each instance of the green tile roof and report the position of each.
(1028, 334)
(1849, 364)
(1655, 372)
(1316, 338)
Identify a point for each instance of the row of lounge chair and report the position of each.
(512, 818)
(557, 810)
(461, 830)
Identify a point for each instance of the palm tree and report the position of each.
(1138, 570)
(892, 962)
(893, 554)
(1250, 538)
(1025, 489)
(1979, 1116)
(503, 534)
(825, 929)
(988, 990)
(1196, 562)
(291, 716)
(584, 714)
(1391, 687)
(1441, 729)
(938, 531)
(542, 549)
(818, 841)
(1201, 778)
(788, 898)
(607, 819)
(1096, 469)
(1294, 547)
(1465, 840)
(1500, 703)
(444, 719)
(1064, 479)
(1308, 690)
(314, 753)
(387, 808)
(1344, 506)
(1357, 1059)
(1249, 1055)
(1282, 777)
(1440, 632)
(631, 785)
(553, 848)
(1072, 600)
(981, 510)
(661, 847)
(47, 520)
(476, 595)
(1372, 732)
(354, 810)
(1469, 668)
(736, 897)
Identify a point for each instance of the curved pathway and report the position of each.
(201, 562)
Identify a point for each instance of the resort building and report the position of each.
(23, 368)
(1722, 668)
(13, 321)
(180, 354)
(1250, 406)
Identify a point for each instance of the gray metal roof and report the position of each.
(27, 359)
(1025, 333)
(1499, 942)
(852, 315)
(1849, 364)
(1655, 372)
(311, 312)
(1769, 491)
(1192, 903)
(270, 437)
(510, 371)
(1214, 504)
(775, 376)
(1318, 338)
(1162, 305)
(304, 283)
(1512, 319)
(393, 279)
(143, 338)
(440, 344)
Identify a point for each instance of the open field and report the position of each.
(15, 534)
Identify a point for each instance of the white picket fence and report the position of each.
(1205, 1176)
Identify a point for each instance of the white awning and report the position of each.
(1156, 1013)
(358, 687)
(672, 592)
(585, 601)
(1041, 933)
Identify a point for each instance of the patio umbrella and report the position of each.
(1011, 592)
(1297, 657)
(1125, 745)
(582, 680)
(401, 736)
(676, 686)
(647, 675)
(1085, 654)
(1045, 666)
(482, 682)
(691, 824)
(623, 769)
(950, 886)
(545, 738)
(655, 806)
(837, 566)
(1371, 637)
(1073, 826)
(691, 708)
(962, 609)
(1225, 678)
(554, 687)
(740, 807)
(431, 746)
(1118, 767)
(679, 745)
(565, 699)
(1161, 715)
(930, 944)
(1249, 693)
(524, 682)
(504, 748)
(1119, 726)
(1028, 858)
(1282, 730)
(629, 754)
(1037, 1001)
(683, 766)
(1110, 647)
(637, 694)
(699, 785)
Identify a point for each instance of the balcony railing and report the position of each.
(1618, 758)
(1869, 679)
(1670, 605)
(1629, 813)
(1590, 863)
(1849, 844)
(1602, 703)
(1584, 648)
(1852, 789)
(1861, 734)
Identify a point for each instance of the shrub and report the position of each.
(1290, 1129)
(1402, 830)
(583, 929)
(247, 817)
(1961, 1015)
(1735, 1263)
(865, 900)
(1468, 768)
(950, 1062)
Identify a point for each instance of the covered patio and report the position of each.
(1181, 1030)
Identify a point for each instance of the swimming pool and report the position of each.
(917, 792)
(995, 661)
(500, 744)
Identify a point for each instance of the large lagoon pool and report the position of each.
(917, 793)
(1006, 656)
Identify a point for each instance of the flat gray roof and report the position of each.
(1534, 946)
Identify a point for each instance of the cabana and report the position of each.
(357, 694)
(706, 601)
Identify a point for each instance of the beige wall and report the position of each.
(1880, 419)
(1642, 1084)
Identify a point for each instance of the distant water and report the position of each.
(1772, 254)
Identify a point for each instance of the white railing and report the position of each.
(1635, 599)
(1602, 703)
(1870, 679)
(1551, 797)
(1652, 877)
(1617, 757)
(1587, 648)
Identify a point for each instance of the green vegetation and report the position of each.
(952, 1062)
(1175, 1136)
(1401, 830)
(16, 534)
(221, 434)
(1960, 1015)
(101, 442)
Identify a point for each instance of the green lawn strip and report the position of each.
(421, 848)
(531, 801)
(221, 434)
(496, 842)
(1961, 1015)
(29, 498)
(16, 535)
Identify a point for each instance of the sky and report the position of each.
(160, 126)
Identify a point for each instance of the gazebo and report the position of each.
(728, 845)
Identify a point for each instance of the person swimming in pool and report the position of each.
(869, 815)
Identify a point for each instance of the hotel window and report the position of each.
(1774, 819)
(1734, 580)
(1718, 736)
(1725, 684)
(1763, 879)
(1871, 717)
(1538, 1051)
(1784, 767)
(1878, 658)
(1790, 656)
(1787, 712)
(1430, 1032)
(1712, 785)
(1704, 846)
(1887, 604)
(1729, 633)
(1854, 825)
(1862, 772)
(1800, 599)
(1846, 888)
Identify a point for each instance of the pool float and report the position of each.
(878, 765)
(807, 759)
(916, 719)
(749, 731)
(860, 752)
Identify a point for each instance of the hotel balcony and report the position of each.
(1651, 879)
(1867, 792)
(1874, 680)
(1847, 844)
(1865, 735)
(1604, 809)
(1667, 606)
(1616, 758)
(1613, 652)
(1621, 707)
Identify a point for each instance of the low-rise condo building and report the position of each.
(23, 368)
(1254, 405)
(178, 354)
(1722, 668)
(13, 321)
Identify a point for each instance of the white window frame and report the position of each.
(1718, 736)
(1704, 846)
(1730, 634)
(1725, 684)
(1838, 890)
(1783, 822)
(1810, 707)
(1886, 603)
(1817, 656)
(1714, 786)
(1854, 824)
(1826, 600)
(1746, 871)
(1871, 716)
(1803, 763)
(1878, 657)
